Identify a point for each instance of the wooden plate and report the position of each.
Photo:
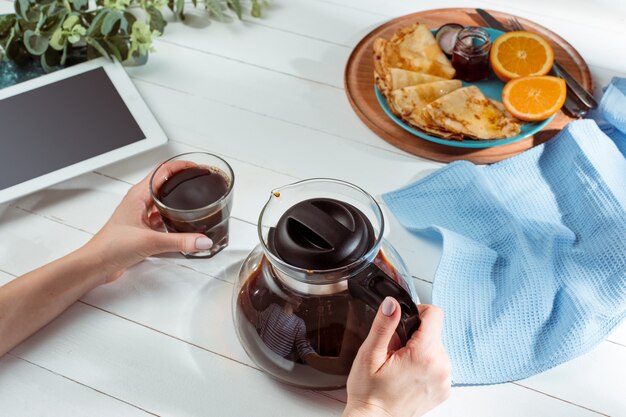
(359, 83)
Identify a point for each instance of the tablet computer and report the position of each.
(69, 122)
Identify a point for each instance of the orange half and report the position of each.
(520, 54)
(534, 98)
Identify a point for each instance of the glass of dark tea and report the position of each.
(194, 194)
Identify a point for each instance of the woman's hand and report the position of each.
(407, 382)
(130, 236)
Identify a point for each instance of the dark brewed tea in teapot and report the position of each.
(321, 331)
(307, 296)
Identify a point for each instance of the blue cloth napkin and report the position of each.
(613, 112)
(533, 266)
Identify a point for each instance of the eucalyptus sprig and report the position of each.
(50, 30)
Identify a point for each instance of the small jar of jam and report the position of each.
(470, 57)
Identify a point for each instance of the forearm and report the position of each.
(31, 301)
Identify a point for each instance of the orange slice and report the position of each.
(520, 54)
(534, 98)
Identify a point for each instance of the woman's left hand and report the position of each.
(130, 235)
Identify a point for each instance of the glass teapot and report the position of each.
(306, 296)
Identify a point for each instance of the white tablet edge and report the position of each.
(154, 135)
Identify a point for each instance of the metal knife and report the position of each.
(582, 94)
(573, 108)
(491, 21)
(575, 88)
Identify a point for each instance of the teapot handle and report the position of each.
(372, 286)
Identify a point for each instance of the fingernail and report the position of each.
(388, 306)
(203, 243)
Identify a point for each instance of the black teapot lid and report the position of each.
(320, 234)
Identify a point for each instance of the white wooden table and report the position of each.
(268, 96)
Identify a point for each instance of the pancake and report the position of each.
(400, 78)
(386, 55)
(418, 47)
(466, 111)
(409, 101)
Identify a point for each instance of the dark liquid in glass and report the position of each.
(193, 189)
(301, 337)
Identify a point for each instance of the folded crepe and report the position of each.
(390, 55)
(386, 55)
(399, 78)
(467, 112)
(423, 121)
(411, 100)
(419, 48)
(408, 103)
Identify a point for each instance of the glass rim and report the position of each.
(473, 32)
(162, 205)
(353, 265)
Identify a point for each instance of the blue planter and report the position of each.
(11, 73)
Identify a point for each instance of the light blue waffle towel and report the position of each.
(533, 266)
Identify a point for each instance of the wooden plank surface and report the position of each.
(267, 95)
(21, 382)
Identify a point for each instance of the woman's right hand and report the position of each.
(407, 382)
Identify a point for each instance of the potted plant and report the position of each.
(44, 35)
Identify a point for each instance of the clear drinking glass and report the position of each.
(193, 192)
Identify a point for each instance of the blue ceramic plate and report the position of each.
(492, 88)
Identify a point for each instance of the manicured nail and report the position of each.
(388, 306)
(203, 243)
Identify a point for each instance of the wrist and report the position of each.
(361, 409)
(96, 268)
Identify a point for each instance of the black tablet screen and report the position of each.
(60, 124)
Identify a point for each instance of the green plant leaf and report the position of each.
(30, 12)
(58, 40)
(113, 50)
(11, 50)
(256, 9)
(64, 55)
(35, 43)
(21, 8)
(6, 23)
(179, 9)
(71, 21)
(96, 45)
(40, 22)
(16, 51)
(50, 60)
(236, 6)
(80, 5)
(96, 23)
(7, 38)
(53, 21)
(111, 23)
(215, 7)
(121, 45)
(157, 22)
(127, 22)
